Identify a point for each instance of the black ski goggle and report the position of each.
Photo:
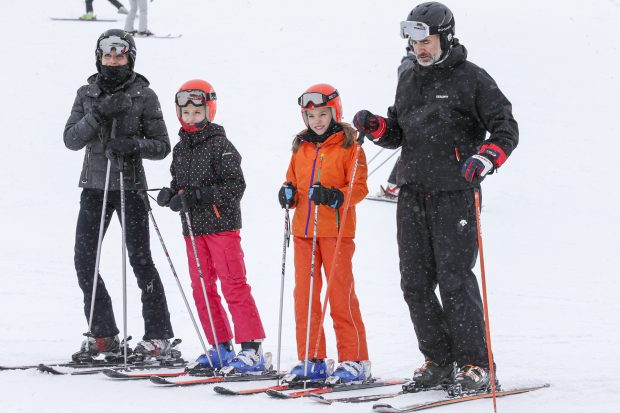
(315, 98)
(195, 97)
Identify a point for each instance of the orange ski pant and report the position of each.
(343, 303)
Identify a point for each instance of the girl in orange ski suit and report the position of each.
(327, 158)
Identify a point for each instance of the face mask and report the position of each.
(113, 76)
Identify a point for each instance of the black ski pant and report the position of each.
(154, 307)
(437, 243)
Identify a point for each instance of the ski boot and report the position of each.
(97, 348)
(123, 10)
(391, 191)
(145, 33)
(88, 16)
(471, 379)
(211, 360)
(249, 361)
(350, 371)
(430, 375)
(316, 370)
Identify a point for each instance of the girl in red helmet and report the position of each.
(320, 173)
(207, 182)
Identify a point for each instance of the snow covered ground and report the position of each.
(550, 220)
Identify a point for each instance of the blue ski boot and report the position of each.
(226, 351)
(350, 371)
(317, 370)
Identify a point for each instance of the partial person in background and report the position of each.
(391, 190)
(443, 109)
(90, 15)
(134, 6)
(116, 95)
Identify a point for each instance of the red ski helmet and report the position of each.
(197, 92)
(320, 95)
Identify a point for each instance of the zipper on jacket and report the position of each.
(316, 156)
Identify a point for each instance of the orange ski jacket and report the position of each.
(332, 165)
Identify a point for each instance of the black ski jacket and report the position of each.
(208, 159)
(440, 118)
(144, 122)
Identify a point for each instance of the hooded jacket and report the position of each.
(208, 159)
(144, 122)
(334, 163)
(440, 117)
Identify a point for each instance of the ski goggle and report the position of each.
(315, 99)
(195, 97)
(415, 30)
(120, 46)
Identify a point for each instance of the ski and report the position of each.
(55, 370)
(373, 397)
(282, 387)
(162, 381)
(386, 408)
(381, 198)
(155, 36)
(76, 19)
(335, 388)
(72, 364)
(119, 374)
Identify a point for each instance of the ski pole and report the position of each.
(174, 273)
(202, 282)
(347, 202)
(287, 240)
(383, 163)
(374, 157)
(100, 240)
(487, 323)
(312, 262)
(121, 163)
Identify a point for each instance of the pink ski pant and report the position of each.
(221, 257)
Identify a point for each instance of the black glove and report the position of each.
(325, 196)
(122, 148)
(371, 125)
(191, 198)
(113, 106)
(164, 196)
(286, 196)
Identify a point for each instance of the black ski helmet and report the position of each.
(122, 35)
(439, 18)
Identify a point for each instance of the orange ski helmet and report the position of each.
(197, 92)
(320, 95)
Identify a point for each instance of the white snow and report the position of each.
(550, 220)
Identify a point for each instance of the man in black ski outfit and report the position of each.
(444, 107)
(117, 117)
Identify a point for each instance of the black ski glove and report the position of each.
(325, 196)
(286, 195)
(192, 198)
(164, 196)
(113, 106)
(122, 148)
(371, 125)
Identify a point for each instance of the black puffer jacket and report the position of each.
(144, 122)
(208, 159)
(441, 116)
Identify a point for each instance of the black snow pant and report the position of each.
(89, 6)
(437, 243)
(154, 307)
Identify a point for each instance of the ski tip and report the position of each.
(47, 369)
(226, 391)
(384, 408)
(114, 374)
(277, 394)
(161, 381)
(320, 399)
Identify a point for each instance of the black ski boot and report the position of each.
(92, 347)
(472, 379)
(430, 375)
